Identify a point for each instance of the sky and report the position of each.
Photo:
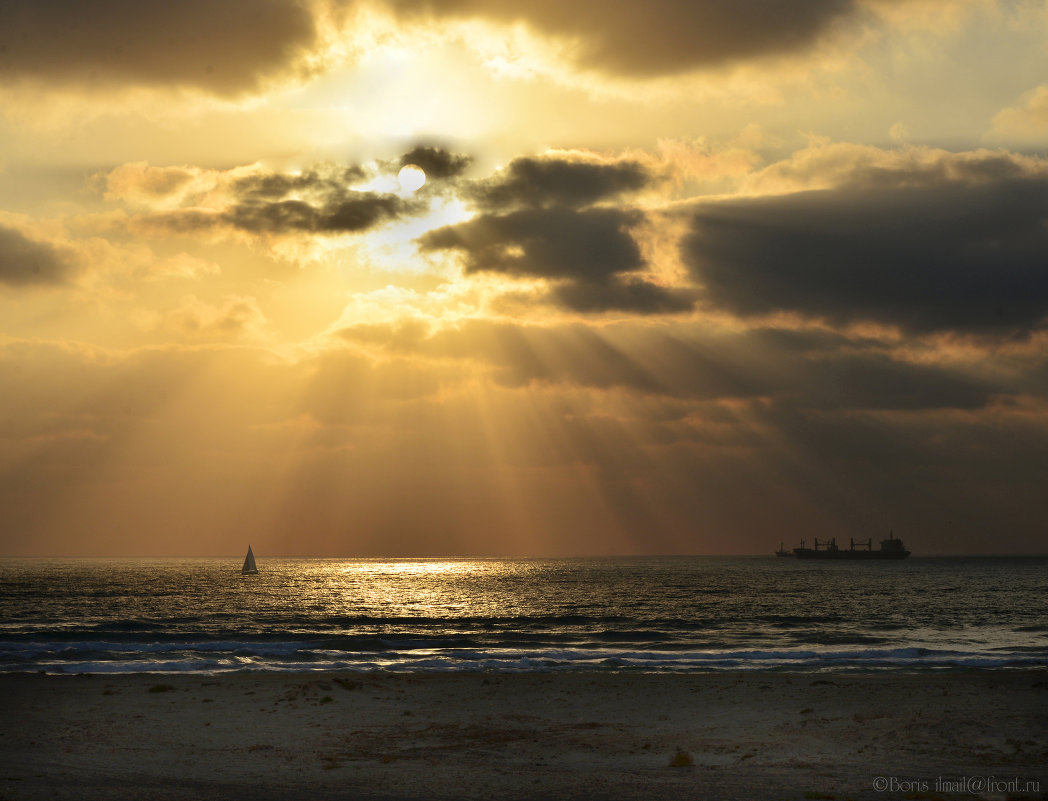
(684, 277)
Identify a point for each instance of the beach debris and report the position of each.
(347, 684)
(682, 759)
(161, 688)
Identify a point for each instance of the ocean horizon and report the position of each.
(650, 614)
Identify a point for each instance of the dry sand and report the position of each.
(523, 736)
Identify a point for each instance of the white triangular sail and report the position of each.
(249, 563)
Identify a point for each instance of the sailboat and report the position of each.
(249, 568)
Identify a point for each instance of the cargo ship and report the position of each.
(891, 548)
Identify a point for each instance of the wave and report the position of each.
(414, 656)
(1037, 628)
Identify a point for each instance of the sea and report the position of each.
(665, 614)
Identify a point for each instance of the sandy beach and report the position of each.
(522, 736)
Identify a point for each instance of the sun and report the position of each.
(411, 178)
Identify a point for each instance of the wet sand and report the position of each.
(525, 736)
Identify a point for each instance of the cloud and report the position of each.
(140, 182)
(1025, 123)
(661, 37)
(327, 179)
(403, 335)
(26, 262)
(827, 165)
(589, 252)
(803, 370)
(226, 48)
(849, 382)
(539, 220)
(319, 200)
(182, 265)
(236, 317)
(956, 246)
(436, 162)
(340, 214)
(560, 180)
(556, 242)
(809, 371)
(624, 293)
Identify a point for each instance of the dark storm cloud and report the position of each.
(24, 261)
(590, 244)
(922, 252)
(558, 182)
(590, 251)
(659, 37)
(223, 46)
(539, 222)
(436, 162)
(624, 293)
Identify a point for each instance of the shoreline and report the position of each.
(479, 735)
